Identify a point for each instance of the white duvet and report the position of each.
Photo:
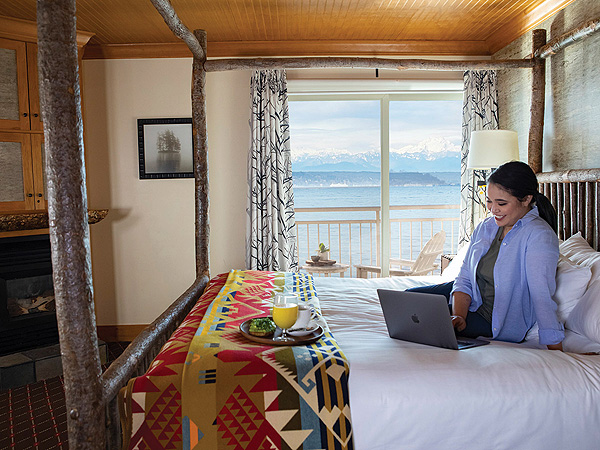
(499, 396)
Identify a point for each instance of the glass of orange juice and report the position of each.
(285, 314)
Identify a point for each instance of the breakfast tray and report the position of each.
(297, 340)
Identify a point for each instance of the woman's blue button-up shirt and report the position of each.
(524, 278)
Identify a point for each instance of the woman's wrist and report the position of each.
(460, 304)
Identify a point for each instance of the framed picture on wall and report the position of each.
(165, 148)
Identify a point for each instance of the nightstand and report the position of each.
(445, 260)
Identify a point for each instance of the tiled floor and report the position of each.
(34, 416)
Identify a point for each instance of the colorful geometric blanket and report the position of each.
(211, 388)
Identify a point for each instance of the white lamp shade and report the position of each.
(492, 148)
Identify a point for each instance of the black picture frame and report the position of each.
(165, 148)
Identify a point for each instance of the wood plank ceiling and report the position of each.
(132, 28)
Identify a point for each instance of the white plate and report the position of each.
(312, 327)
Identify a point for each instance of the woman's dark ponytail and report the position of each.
(546, 210)
(518, 179)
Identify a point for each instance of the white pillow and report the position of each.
(451, 272)
(571, 283)
(585, 316)
(577, 249)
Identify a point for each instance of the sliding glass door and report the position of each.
(424, 168)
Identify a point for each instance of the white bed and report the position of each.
(499, 396)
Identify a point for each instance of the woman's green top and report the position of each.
(485, 277)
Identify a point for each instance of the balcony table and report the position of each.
(326, 270)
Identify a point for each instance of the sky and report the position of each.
(353, 126)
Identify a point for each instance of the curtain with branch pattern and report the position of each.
(271, 234)
(480, 112)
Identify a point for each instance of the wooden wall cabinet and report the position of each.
(20, 105)
(22, 185)
(22, 178)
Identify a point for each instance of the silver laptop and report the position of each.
(422, 318)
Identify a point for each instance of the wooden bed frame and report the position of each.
(89, 392)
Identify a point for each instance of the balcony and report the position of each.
(353, 234)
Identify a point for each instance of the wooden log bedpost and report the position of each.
(200, 142)
(538, 93)
(569, 38)
(67, 212)
(216, 65)
(196, 42)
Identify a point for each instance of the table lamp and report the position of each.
(492, 148)
(489, 149)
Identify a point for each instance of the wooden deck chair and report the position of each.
(424, 263)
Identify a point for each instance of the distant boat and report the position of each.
(338, 185)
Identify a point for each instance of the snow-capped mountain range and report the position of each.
(430, 155)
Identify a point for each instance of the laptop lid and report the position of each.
(422, 318)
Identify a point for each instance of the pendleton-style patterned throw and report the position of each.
(211, 388)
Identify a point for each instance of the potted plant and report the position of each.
(323, 252)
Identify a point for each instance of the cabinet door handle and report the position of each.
(24, 114)
(29, 195)
(39, 195)
(35, 114)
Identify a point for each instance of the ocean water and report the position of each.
(307, 197)
(352, 243)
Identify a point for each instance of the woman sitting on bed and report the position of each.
(507, 279)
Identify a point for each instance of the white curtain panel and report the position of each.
(271, 234)
(480, 112)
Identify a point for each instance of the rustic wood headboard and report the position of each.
(575, 194)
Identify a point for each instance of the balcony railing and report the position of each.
(353, 234)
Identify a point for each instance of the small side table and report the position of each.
(327, 270)
(445, 261)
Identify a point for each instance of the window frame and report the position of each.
(384, 140)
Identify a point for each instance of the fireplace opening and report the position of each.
(30, 295)
(27, 306)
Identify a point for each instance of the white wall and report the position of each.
(143, 252)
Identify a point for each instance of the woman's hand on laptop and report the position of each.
(460, 309)
(459, 322)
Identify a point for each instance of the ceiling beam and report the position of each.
(244, 49)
